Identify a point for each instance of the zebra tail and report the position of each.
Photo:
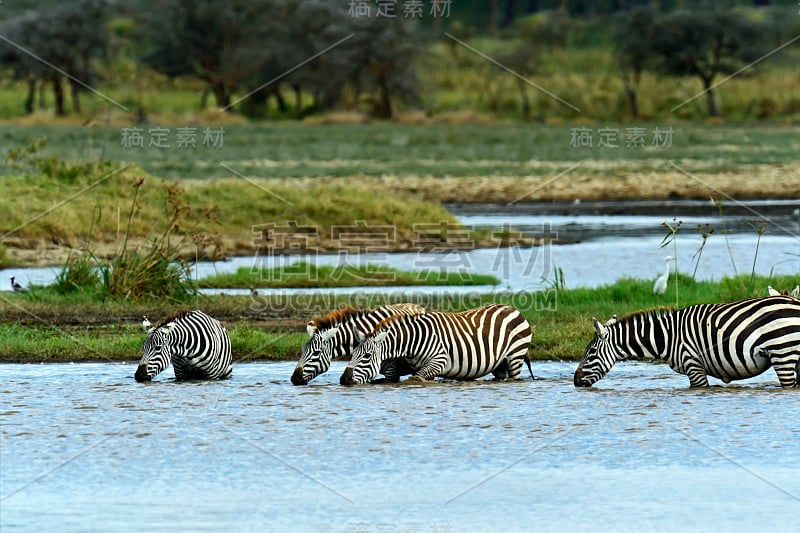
(527, 360)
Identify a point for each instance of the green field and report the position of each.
(291, 150)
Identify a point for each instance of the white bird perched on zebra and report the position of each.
(660, 286)
(16, 286)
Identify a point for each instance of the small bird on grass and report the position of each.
(16, 286)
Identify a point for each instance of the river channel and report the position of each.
(85, 448)
(602, 242)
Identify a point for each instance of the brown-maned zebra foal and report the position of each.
(468, 345)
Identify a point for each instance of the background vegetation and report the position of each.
(604, 60)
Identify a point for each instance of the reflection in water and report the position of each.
(85, 447)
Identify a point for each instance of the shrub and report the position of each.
(153, 270)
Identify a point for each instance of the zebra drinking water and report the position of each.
(467, 345)
(196, 344)
(334, 335)
(728, 341)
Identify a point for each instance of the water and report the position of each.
(84, 447)
(615, 240)
(592, 263)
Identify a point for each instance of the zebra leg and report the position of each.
(432, 368)
(393, 369)
(697, 376)
(787, 368)
(500, 372)
(181, 369)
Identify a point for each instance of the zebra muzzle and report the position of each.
(347, 377)
(578, 379)
(298, 378)
(141, 374)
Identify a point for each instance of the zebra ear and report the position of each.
(167, 328)
(602, 332)
(795, 292)
(611, 321)
(380, 336)
(328, 334)
(360, 336)
(311, 329)
(146, 324)
(771, 291)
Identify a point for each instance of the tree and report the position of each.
(68, 38)
(634, 33)
(382, 56)
(704, 44)
(217, 41)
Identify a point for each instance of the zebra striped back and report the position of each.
(196, 344)
(463, 346)
(334, 335)
(728, 341)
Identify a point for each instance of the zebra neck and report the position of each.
(647, 335)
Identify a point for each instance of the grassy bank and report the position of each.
(265, 328)
(88, 206)
(66, 194)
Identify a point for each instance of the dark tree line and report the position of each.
(43, 45)
(305, 56)
(263, 47)
(706, 43)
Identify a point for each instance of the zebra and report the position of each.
(728, 341)
(334, 335)
(467, 345)
(196, 344)
(794, 293)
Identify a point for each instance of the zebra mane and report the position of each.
(338, 316)
(174, 316)
(647, 313)
(386, 322)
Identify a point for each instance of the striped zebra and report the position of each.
(196, 344)
(334, 335)
(728, 341)
(494, 338)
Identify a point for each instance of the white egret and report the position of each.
(660, 286)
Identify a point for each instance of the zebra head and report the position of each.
(154, 358)
(599, 357)
(316, 355)
(367, 358)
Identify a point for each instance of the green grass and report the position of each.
(29, 344)
(93, 209)
(301, 274)
(561, 320)
(281, 150)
